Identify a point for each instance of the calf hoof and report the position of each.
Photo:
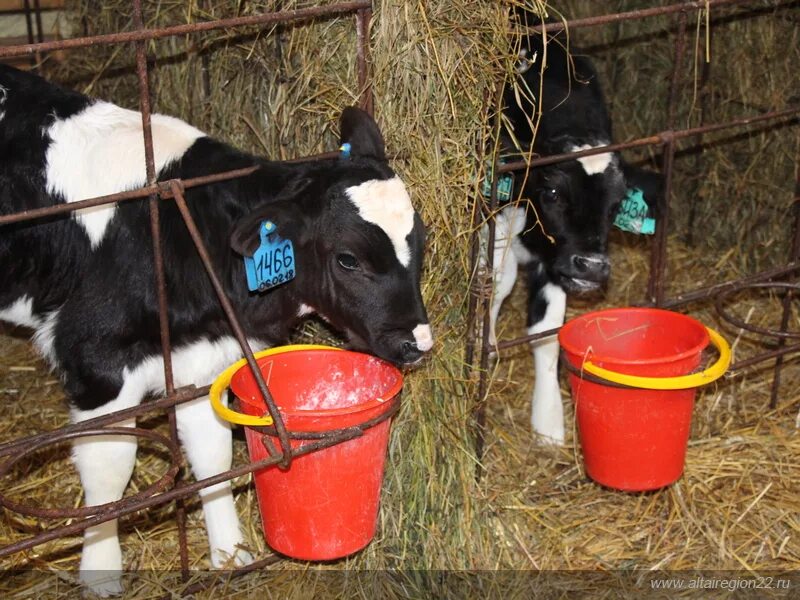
(230, 558)
(102, 583)
(552, 441)
(549, 435)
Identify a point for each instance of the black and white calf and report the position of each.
(85, 286)
(558, 229)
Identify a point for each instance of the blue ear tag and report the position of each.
(505, 183)
(344, 150)
(632, 214)
(272, 263)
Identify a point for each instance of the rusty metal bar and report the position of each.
(300, 14)
(363, 17)
(782, 334)
(181, 395)
(143, 192)
(787, 300)
(682, 299)
(158, 264)
(32, 59)
(125, 507)
(658, 256)
(526, 339)
(179, 491)
(233, 320)
(59, 513)
(37, 15)
(636, 15)
(663, 137)
(705, 293)
(749, 362)
(479, 413)
(705, 94)
(474, 260)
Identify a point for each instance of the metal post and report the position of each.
(158, 264)
(658, 258)
(363, 17)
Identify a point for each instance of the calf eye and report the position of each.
(347, 261)
(550, 195)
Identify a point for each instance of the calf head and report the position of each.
(575, 203)
(358, 246)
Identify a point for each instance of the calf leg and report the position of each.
(546, 311)
(509, 223)
(105, 465)
(207, 441)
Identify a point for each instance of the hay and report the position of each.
(434, 65)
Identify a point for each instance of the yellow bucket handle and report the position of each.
(683, 382)
(224, 380)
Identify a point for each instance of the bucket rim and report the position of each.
(588, 354)
(384, 400)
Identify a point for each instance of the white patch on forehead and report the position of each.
(386, 203)
(100, 151)
(596, 163)
(423, 337)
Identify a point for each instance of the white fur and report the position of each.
(547, 412)
(20, 312)
(386, 203)
(44, 337)
(524, 63)
(423, 337)
(305, 310)
(508, 254)
(105, 464)
(100, 151)
(597, 163)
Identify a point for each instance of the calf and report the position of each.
(558, 229)
(84, 284)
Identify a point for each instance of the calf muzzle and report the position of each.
(585, 272)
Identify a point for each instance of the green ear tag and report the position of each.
(505, 184)
(632, 214)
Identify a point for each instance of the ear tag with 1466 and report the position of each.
(273, 261)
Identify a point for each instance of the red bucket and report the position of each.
(633, 439)
(325, 505)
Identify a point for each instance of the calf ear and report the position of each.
(651, 184)
(283, 210)
(360, 131)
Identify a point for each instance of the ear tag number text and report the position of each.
(632, 214)
(273, 261)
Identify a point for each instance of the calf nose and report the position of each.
(411, 353)
(591, 266)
